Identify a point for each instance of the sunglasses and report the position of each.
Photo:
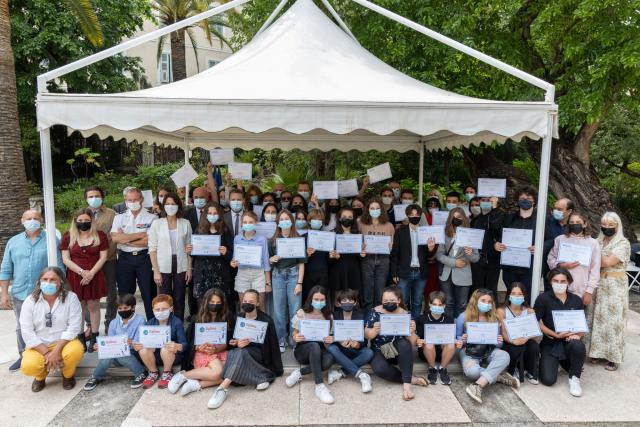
(49, 318)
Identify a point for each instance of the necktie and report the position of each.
(235, 225)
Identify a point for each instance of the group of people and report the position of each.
(105, 254)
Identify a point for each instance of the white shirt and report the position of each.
(161, 242)
(129, 224)
(66, 320)
(415, 262)
(233, 221)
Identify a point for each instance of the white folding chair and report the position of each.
(634, 275)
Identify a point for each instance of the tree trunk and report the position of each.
(13, 182)
(323, 164)
(178, 56)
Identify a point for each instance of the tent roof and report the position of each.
(302, 83)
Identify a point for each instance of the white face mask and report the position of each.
(387, 200)
(406, 202)
(133, 206)
(559, 288)
(268, 217)
(162, 315)
(171, 210)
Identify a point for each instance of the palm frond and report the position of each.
(88, 20)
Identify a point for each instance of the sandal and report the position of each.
(595, 361)
(419, 381)
(611, 367)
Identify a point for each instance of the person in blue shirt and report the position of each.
(555, 226)
(126, 323)
(25, 256)
(172, 353)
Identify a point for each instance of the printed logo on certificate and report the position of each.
(205, 245)
(348, 243)
(435, 232)
(395, 325)
(324, 241)
(482, 333)
(154, 336)
(253, 330)
(440, 333)
(112, 347)
(377, 244)
(523, 327)
(291, 247)
(314, 330)
(345, 330)
(248, 255)
(569, 321)
(210, 333)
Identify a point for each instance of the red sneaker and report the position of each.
(164, 379)
(150, 380)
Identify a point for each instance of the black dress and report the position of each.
(214, 271)
(345, 272)
(316, 272)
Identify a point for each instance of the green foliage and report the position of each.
(84, 156)
(529, 167)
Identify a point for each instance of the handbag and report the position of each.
(478, 351)
(389, 351)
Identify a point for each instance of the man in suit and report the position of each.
(233, 218)
(201, 196)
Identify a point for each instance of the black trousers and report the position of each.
(175, 284)
(132, 268)
(529, 352)
(575, 352)
(385, 369)
(316, 358)
(485, 274)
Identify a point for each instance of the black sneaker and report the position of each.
(15, 366)
(531, 378)
(432, 376)
(445, 379)
(137, 381)
(91, 384)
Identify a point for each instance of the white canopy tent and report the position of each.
(303, 83)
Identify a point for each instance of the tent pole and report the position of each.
(421, 174)
(186, 162)
(271, 17)
(339, 20)
(47, 188)
(543, 191)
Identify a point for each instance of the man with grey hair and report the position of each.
(121, 207)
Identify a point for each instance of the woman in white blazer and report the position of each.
(168, 239)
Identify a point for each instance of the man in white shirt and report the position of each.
(233, 218)
(129, 231)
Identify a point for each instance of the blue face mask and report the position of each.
(516, 300)
(484, 307)
(375, 213)
(304, 194)
(248, 227)
(558, 215)
(284, 224)
(436, 309)
(224, 202)
(253, 200)
(48, 288)
(469, 196)
(212, 218)
(451, 206)
(199, 203)
(316, 224)
(94, 202)
(236, 205)
(285, 205)
(318, 305)
(301, 223)
(31, 225)
(485, 206)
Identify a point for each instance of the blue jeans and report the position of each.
(129, 362)
(349, 358)
(285, 303)
(498, 361)
(412, 288)
(457, 297)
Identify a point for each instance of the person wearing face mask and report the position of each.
(469, 194)
(127, 323)
(484, 216)
(253, 196)
(312, 354)
(395, 188)
(303, 189)
(172, 265)
(386, 200)
(269, 213)
(455, 272)
(277, 189)
(233, 218)
(613, 291)
(193, 213)
(406, 199)
(560, 348)
(84, 252)
(285, 199)
(159, 200)
(269, 198)
(345, 270)
(357, 204)
(523, 351)
(25, 255)
(173, 351)
(433, 354)
(250, 363)
(453, 201)
(432, 282)
(222, 199)
(49, 322)
(202, 364)
(302, 226)
(555, 225)
(316, 270)
(331, 207)
(129, 231)
(120, 208)
(299, 202)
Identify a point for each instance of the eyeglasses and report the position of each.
(49, 318)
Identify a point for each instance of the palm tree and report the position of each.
(171, 11)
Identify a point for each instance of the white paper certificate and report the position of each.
(257, 209)
(326, 190)
(147, 198)
(113, 347)
(399, 212)
(570, 252)
(395, 324)
(523, 327)
(221, 156)
(440, 333)
(348, 243)
(377, 244)
(314, 330)
(469, 237)
(240, 170)
(516, 257)
(348, 188)
(517, 237)
(489, 187)
(482, 333)
(154, 336)
(379, 173)
(291, 247)
(266, 229)
(184, 175)
(248, 255)
(569, 321)
(433, 231)
(344, 330)
(253, 330)
(210, 333)
(205, 244)
(439, 218)
(321, 240)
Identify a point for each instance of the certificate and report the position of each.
(266, 229)
(257, 209)
(240, 170)
(147, 198)
(377, 244)
(469, 237)
(439, 218)
(379, 173)
(253, 330)
(517, 237)
(154, 336)
(205, 244)
(435, 232)
(399, 212)
(569, 321)
(291, 247)
(516, 257)
(348, 243)
(440, 333)
(221, 156)
(326, 190)
(482, 333)
(210, 333)
(321, 240)
(570, 252)
(314, 330)
(113, 347)
(248, 255)
(348, 188)
(344, 330)
(523, 327)
(490, 187)
(395, 324)
(184, 175)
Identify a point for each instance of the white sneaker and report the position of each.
(282, 349)
(293, 378)
(176, 382)
(217, 399)
(574, 387)
(335, 375)
(263, 386)
(323, 393)
(189, 387)
(365, 381)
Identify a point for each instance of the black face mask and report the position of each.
(456, 222)
(525, 204)
(347, 306)
(576, 228)
(334, 209)
(357, 211)
(83, 226)
(390, 306)
(247, 307)
(346, 222)
(608, 231)
(125, 314)
(214, 308)
(415, 220)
